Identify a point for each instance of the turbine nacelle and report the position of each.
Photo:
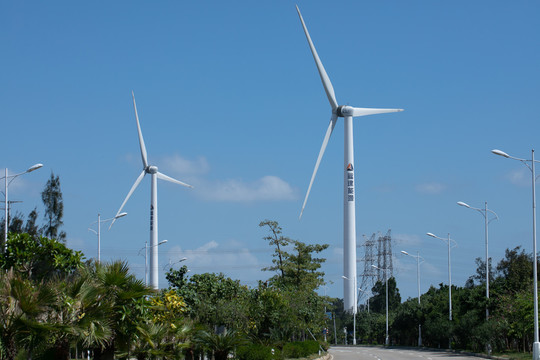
(151, 169)
(344, 111)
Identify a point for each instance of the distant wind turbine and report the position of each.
(349, 221)
(155, 174)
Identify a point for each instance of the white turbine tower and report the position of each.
(155, 174)
(349, 219)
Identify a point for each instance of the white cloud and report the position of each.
(406, 239)
(267, 188)
(237, 262)
(430, 188)
(183, 166)
(195, 172)
(519, 177)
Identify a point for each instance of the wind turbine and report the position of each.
(349, 219)
(155, 174)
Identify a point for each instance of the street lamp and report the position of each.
(6, 182)
(171, 264)
(536, 343)
(355, 308)
(417, 257)
(449, 241)
(146, 247)
(98, 232)
(387, 339)
(484, 213)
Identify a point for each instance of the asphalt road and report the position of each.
(381, 353)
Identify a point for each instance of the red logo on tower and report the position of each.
(349, 167)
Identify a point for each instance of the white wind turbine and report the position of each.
(349, 220)
(155, 174)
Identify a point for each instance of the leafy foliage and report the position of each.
(39, 258)
(54, 208)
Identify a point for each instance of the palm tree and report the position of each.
(123, 298)
(221, 345)
(22, 308)
(78, 314)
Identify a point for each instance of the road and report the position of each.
(380, 353)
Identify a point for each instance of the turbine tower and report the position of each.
(155, 174)
(349, 219)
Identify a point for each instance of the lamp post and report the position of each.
(7, 183)
(536, 342)
(449, 241)
(146, 258)
(355, 309)
(387, 339)
(98, 232)
(484, 213)
(417, 257)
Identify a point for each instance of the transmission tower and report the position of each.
(384, 255)
(369, 274)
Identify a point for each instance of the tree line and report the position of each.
(55, 303)
(509, 326)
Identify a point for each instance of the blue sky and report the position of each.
(230, 101)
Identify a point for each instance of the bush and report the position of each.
(257, 352)
(298, 349)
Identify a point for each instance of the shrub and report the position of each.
(298, 349)
(257, 352)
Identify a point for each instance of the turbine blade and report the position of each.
(328, 88)
(331, 126)
(137, 182)
(366, 111)
(141, 140)
(168, 178)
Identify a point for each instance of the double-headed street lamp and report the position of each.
(536, 342)
(7, 183)
(98, 232)
(355, 309)
(449, 242)
(485, 214)
(387, 339)
(417, 257)
(146, 247)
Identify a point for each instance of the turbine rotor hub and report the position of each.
(344, 111)
(151, 169)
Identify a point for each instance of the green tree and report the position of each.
(378, 300)
(77, 314)
(31, 227)
(276, 239)
(220, 345)
(22, 306)
(54, 208)
(39, 258)
(514, 271)
(216, 300)
(124, 298)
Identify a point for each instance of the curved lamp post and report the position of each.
(485, 214)
(530, 164)
(387, 339)
(7, 183)
(98, 232)
(449, 242)
(417, 257)
(355, 308)
(146, 247)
